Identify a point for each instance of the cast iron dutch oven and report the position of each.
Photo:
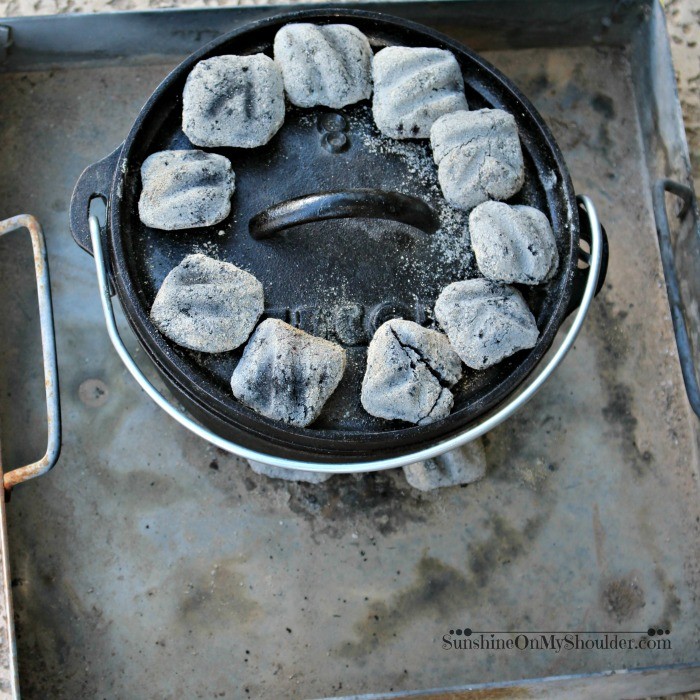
(337, 270)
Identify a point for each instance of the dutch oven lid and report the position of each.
(338, 279)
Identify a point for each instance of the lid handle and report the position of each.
(344, 204)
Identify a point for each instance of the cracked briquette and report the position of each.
(446, 384)
(410, 371)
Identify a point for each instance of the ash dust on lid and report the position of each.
(339, 279)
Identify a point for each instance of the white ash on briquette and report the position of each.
(479, 156)
(329, 65)
(287, 374)
(185, 189)
(463, 465)
(413, 87)
(410, 371)
(233, 101)
(288, 474)
(208, 305)
(513, 243)
(485, 321)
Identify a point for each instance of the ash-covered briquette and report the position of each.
(463, 465)
(485, 321)
(286, 374)
(413, 87)
(233, 101)
(479, 156)
(410, 371)
(328, 64)
(185, 189)
(513, 243)
(208, 305)
(288, 474)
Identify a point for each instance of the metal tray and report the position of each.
(149, 564)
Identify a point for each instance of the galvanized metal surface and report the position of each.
(148, 36)
(668, 162)
(152, 565)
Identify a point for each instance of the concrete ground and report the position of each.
(683, 18)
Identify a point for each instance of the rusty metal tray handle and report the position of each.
(48, 347)
(471, 433)
(680, 328)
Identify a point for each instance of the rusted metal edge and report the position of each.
(605, 685)
(48, 345)
(8, 646)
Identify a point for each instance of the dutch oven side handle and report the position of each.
(581, 274)
(95, 181)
